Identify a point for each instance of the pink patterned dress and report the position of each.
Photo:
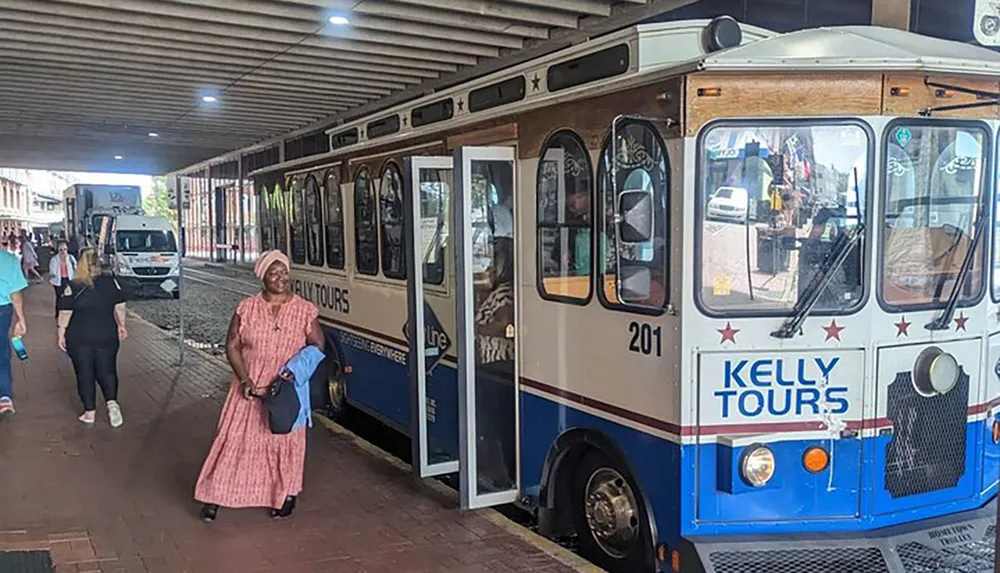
(248, 466)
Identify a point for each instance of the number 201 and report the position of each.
(645, 339)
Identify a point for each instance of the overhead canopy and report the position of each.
(84, 81)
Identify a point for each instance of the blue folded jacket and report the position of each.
(300, 369)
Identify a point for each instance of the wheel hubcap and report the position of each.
(335, 388)
(612, 512)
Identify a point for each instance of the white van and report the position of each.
(143, 254)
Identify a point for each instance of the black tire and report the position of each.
(176, 295)
(636, 556)
(336, 388)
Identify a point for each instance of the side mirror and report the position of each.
(636, 284)
(635, 210)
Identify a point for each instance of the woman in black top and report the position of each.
(91, 326)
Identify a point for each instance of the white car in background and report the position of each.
(729, 203)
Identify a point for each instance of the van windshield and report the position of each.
(146, 241)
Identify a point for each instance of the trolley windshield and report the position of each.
(934, 177)
(775, 200)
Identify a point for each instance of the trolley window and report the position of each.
(934, 178)
(334, 205)
(435, 189)
(564, 236)
(633, 244)
(297, 219)
(365, 227)
(778, 202)
(266, 237)
(314, 221)
(391, 216)
(279, 218)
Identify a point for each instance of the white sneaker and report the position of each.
(115, 414)
(88, 417)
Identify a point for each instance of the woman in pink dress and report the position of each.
(248, 466)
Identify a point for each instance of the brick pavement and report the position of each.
(106, 500)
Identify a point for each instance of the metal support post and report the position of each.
(180, 268)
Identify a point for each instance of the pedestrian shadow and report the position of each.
(174, 441)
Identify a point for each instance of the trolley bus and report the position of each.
(520, 273)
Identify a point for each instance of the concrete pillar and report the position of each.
(891, 13)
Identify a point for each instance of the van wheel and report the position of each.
(609, 517)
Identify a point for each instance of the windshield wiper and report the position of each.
(841, 249)
(943, 320)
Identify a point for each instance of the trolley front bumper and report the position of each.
(959, 543)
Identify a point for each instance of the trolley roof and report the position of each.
(855, 48)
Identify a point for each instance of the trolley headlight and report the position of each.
(935, 372)
(757, 465)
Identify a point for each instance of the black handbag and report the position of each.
(282, 404)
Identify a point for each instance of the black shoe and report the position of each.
(208, 512)
(286, 509)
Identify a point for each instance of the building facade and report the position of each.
(15, 201)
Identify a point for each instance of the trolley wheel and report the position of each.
(337, 391)
(609, 517)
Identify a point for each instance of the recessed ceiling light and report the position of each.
(339, 20)
(209, 99)
(154, 134)
(118, 156)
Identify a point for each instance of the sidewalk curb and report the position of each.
(543, 544)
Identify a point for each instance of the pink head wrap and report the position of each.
(267, 259)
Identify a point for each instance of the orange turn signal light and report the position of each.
(996, 431)
(709, 92)
(899, 92)
(675, 561)
(816, 459)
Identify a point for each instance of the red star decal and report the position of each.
(903, 327)
(728, 333)
(960, 321)
(833, 331)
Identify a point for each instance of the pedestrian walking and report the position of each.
(62, 269)
(91, 328)
(248, 466)
(29, 258)
(11, 310)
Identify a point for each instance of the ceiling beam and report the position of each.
(146, 54)
(110, 82)
(221, 13)
(278, 79)
(46, 32)
(457, 31)
(586, 7)
(501, 10)
(95, 92)
(247, 120)
(82, 129)
(452, 18)
(391, 55)
(259, 86)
